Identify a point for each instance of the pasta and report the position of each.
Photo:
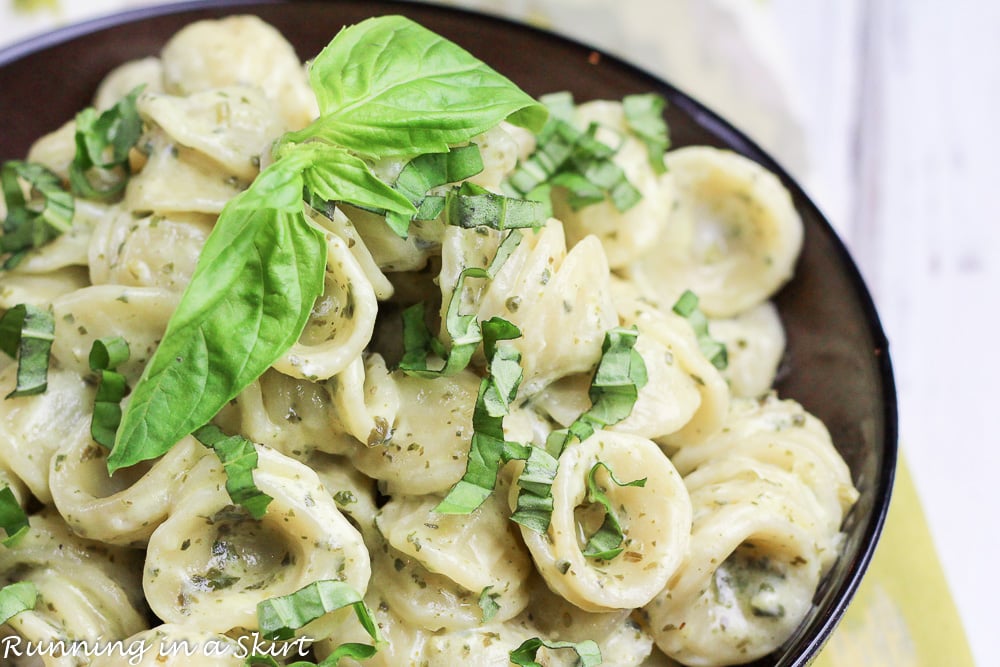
(505, 433)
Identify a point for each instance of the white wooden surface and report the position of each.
(886, 110)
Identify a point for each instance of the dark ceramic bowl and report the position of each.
(837, 352)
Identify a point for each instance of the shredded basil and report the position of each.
(619, 376)
(470, 206)
(644, 117)
(715, 351)
(488, 449)
(103, 142)
(577, 161)
(488, 604)
(106, 354)
(26, 334)
(16, 598)
(13, 520)
(239, 459)
(587, 651)
(605, 544)
(428, 171)
(263, 266)
(465, 331)
(32, 222)
(278, 618)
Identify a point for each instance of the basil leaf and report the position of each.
(332, 174)
(103, 142)
(390, 87)
(15, 598)
(587, 651)
(605, 544)
(614, 389)
(239, 459)
(644, 118)
(714, 351)
(26, 334)
(106, 354)
(488, 604)
(259, 273)
(31, 223)
(13, 520)
(279, 618)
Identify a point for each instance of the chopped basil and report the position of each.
(106, 354)
(644, 117)
(15, 598)
(587, 651)
(13, 520)
(465, 330)
(428, 171)
(263, 266)
(715, 351)
(470, 206)
(26, 334)
(488, 604)
(239, 459)
(278, 618)
(614, 389)
(31, 222)
(605, 544)
(103, 142)
(488, 448)
(576, 160)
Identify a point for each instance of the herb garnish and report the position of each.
(263, 265)
(26, 334)
(106, 354)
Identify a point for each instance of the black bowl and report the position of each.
(837, 352)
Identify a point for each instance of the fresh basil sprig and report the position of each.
(106, 354)
(239, 459)
(103, 141)
(15, 598)
(716, 352)
(13, 520)
(386, 87)
(587, 651)
(26, 334)
(390, 87)
(614, 389)
(34, 221)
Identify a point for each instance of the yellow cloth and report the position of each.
(902, 614)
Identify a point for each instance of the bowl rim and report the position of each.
(703, 116)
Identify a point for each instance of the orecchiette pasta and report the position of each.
(582, 474)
